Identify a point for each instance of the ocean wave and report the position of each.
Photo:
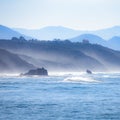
(81, 79)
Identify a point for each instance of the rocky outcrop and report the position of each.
(88, 72)
(38, 71)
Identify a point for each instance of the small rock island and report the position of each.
(38, 71)
(88, 71)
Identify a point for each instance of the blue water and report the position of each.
(52, 98)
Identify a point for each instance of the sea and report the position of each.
(65, 96)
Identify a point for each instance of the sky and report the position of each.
(76, 14)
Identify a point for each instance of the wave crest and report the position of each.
(80, 79)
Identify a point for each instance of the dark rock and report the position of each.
(88, 71)
(38, 71)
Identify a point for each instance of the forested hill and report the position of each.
(64, 55)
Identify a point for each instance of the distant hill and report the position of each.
(10, 63)
(107, 33)
(107, 37)
(59, 32)
(92, 39)
(65, 55)
(102, 37)
(8, 33)
(50, 32)
(114, 42)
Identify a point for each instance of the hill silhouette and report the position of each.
(65, 55)
(12, 63)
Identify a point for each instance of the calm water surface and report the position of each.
(65, 97)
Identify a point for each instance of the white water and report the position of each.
(80, 79)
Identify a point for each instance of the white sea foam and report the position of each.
(84, 78)
(65, 73)
(9, 75)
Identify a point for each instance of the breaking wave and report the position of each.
(85, 78)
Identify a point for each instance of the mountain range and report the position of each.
(62, 55)
(8, 33)
(109, 37)
(59, 32)
(113, 43)
(50, 32)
